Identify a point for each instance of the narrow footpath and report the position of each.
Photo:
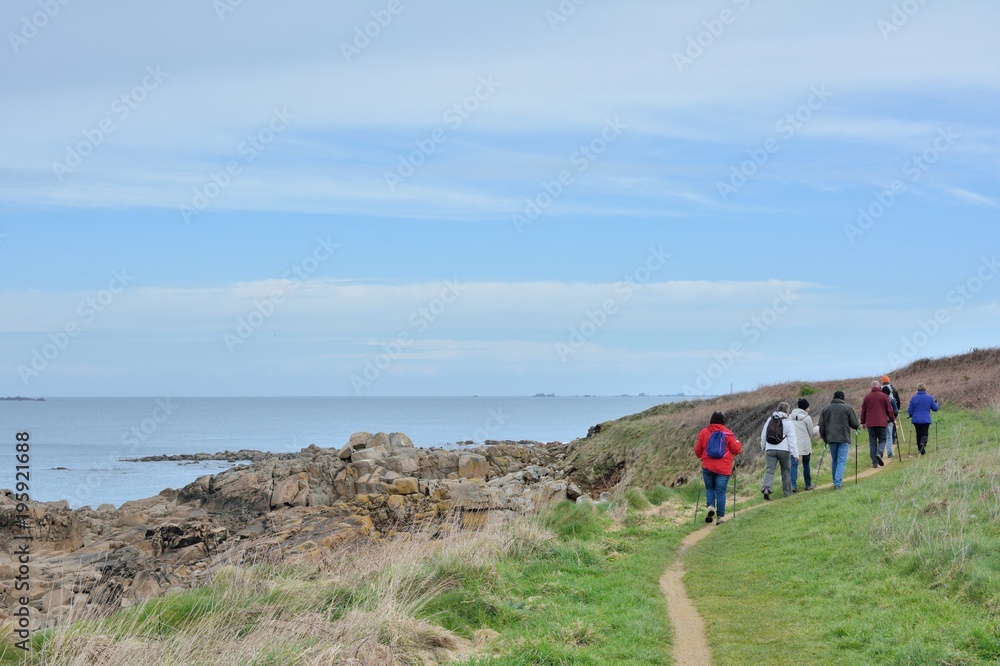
(690, 646)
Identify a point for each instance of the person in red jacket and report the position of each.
(876, 415)
(716, 470)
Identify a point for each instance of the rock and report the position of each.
(345, 452)
(292, 491)
(605, 497)
(399, 440)
(573, 492)
(55, 598)
(473, 466)
(584, 499)
(359, 440)
(405, 486)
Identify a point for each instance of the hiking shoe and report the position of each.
(767, 493)
(711, 514)
(809, 487)
(795, 490)
(879, 460)
(719, 521)
(889, 455)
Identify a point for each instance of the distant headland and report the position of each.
(25, 399)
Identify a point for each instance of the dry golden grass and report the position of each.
(361, 606)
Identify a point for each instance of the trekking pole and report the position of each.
(819, 467)
(697, 503)
(855, 457)
(734, 490)
(937, 444)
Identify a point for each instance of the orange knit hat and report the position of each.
(885, 379)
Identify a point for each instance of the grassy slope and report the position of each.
(656, 445)
(902, 569)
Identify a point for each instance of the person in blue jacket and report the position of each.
(921, 406)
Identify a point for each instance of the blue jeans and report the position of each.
(715, 490)
(838, 461)
(806, 472)
(890, 433)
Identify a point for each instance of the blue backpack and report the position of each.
(716, 445)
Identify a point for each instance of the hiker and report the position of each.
(778, 443)
(836, 422)
(716, 463)
(893, 441)
(920, 408)
(805, 432)
(876, 415)
(891, 430)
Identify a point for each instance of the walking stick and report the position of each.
(855, 457)
(734, 489)
(819, 467)
(697, 503)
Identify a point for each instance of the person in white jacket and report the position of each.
(805, 433)
(780, 453)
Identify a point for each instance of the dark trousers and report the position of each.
(876, 443)
(923, 430)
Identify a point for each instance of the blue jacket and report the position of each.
(921, 406)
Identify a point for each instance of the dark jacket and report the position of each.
(894, 394)
(921, 406)
(876, 410)
(836, 422)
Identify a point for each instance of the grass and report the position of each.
(591, 597)
(902, 569)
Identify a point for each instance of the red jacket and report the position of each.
(723, 465)
(876, 410)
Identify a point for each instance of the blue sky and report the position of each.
(203, 198)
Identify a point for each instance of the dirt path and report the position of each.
(690, 645)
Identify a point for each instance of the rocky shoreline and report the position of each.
(291, 507)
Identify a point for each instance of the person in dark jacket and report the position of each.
(892, 430)
(716, 471)
(876, 415)
(892, 442)
(920, 408)
(836, 422)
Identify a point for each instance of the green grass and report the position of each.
(590, 597)
(903, 568)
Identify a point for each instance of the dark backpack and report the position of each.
(716, 445)
(775, 433)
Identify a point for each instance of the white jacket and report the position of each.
(805, 431)
(788, 443)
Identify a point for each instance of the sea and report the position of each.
(78, 446)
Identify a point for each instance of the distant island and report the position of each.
(25, 399)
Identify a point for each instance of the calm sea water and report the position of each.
(78, 443)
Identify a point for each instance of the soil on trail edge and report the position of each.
(690, 647)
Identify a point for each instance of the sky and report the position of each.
(389, 198)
